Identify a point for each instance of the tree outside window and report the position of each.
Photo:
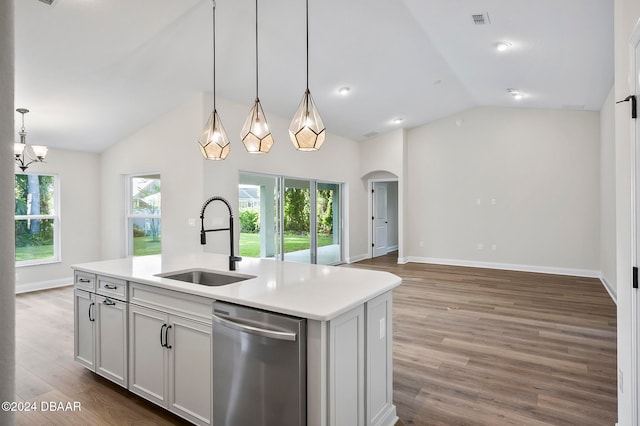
(36, 220)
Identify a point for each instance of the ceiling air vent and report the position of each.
(481, 19)
(371, 134)
(49, 2)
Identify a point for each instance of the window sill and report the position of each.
(37, 262)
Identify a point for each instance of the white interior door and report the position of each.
(380, 219)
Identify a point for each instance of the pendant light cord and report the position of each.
(214, 54)
(256, 49)
(307, 17)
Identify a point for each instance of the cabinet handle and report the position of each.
(111, 287)
(109, 302)
(91, 318)
(84, 280)
(161, 335)
(166, 338)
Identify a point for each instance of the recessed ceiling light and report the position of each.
(344, 90)
(397, 120)
(501, 46)
(517, 95)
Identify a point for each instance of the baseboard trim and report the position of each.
(357, 258)
(506, 266)
(612, 292)
(43, 285)
(391, 249)
(403, 260)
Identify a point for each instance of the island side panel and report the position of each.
(380, 410)
(317, 364)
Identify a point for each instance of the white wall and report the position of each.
(79, 182)
(608, 194)
(626, 15)
(168, 146)
(338, 160)
(386, 156)
(524, 180)
(7, 203)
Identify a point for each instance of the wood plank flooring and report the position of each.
(487, 347)
(471, 347)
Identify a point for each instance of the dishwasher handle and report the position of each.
(271, 334)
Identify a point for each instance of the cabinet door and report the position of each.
(84, 325)
(346, 369)
(190, 365)
(147, 358)
(111, 339)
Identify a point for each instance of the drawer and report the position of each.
(173, 302)
(84, 281)
(112, 287)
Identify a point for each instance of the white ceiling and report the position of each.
(94, 71)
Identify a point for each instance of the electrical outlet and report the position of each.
(480, 246)
(494, 247)
(421, 243)
(383, 327)
(191, 222)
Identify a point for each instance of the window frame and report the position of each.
(129, 216)
(57, 237)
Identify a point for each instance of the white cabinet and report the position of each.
(346, 369)
(360, 366)
(111, 339)
(100, 322)
(170, 354)
(84, 326)
(379, 362)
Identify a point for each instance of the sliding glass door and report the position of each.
(328, 230)
(297, 220)
(296, 207)
(258, 214)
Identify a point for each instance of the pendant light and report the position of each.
(21, 150)
(306, 130)
(213, 141)
(255, 134)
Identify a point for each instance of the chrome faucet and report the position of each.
(203, 236)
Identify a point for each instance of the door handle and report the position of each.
(91, 318)
(271, 334)
(162, 334)
(166, 337)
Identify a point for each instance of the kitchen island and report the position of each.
(132, 326)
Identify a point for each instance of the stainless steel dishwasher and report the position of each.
(259, 367)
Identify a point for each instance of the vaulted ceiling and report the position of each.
(94, 71)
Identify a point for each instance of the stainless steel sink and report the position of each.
(204, 277)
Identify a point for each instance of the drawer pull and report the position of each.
(110, 287)
(109, 302)
(84, 280)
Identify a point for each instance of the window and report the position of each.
(144, 224)
(298, 220)
(37, 219)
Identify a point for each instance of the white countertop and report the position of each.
(315, 292)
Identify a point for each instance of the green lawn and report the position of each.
(143, 246)
(250, 243)
(34, 252)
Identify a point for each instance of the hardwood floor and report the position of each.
(487, 347)
(471, 347)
